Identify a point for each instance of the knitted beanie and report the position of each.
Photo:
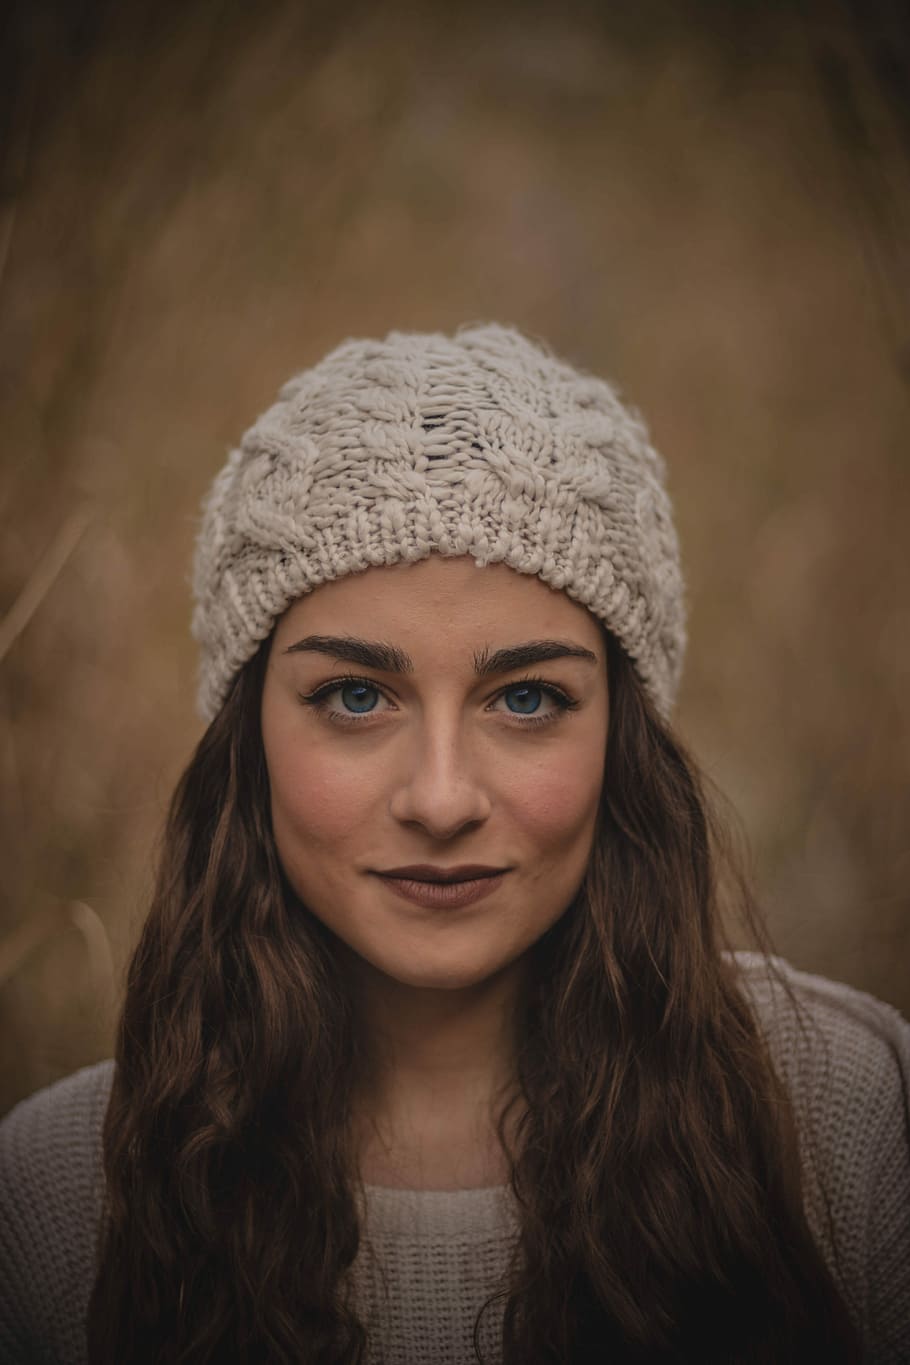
(481, 444)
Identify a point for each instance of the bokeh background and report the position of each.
(707, 202)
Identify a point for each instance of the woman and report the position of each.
(430, 1049)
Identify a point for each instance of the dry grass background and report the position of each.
(706, 202)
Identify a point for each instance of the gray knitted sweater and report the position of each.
(848, 1070)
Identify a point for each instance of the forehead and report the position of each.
(441, 599)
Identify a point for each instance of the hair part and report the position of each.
(654, 1163)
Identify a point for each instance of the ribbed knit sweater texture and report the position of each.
(847, 1067)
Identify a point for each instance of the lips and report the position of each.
(427, 872)
(447, 888)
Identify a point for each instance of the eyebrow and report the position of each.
(390, 659)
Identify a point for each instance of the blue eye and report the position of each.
(524, 701)
(352, 697)
(529, 699)
(358, 700)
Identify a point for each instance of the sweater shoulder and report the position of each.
(844, 1057)
(824, 1033)
(81, 1097)
(50, 1143)
(51, 1193)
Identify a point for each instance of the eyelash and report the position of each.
(317, 700)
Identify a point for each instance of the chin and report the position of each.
(436, 976)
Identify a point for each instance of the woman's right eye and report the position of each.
(358, 698)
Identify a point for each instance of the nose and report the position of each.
(440, 786)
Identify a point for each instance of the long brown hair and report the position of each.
(654, 1164)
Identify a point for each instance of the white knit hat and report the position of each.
(481, 444)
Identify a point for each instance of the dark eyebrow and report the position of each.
(367, 653)
(532, 652)
(390, 659)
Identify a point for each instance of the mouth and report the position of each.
(427, 872)
(443, 888)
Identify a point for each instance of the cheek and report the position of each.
(321, 801)
(558, 803)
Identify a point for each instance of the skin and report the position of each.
(438, 766)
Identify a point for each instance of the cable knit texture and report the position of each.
(482, 444)
(430, 1258)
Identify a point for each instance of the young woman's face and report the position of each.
(394, 736)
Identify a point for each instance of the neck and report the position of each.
(434, 1058)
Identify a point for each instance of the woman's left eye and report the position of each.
(525, 699)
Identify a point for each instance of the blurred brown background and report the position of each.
(707, 202)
